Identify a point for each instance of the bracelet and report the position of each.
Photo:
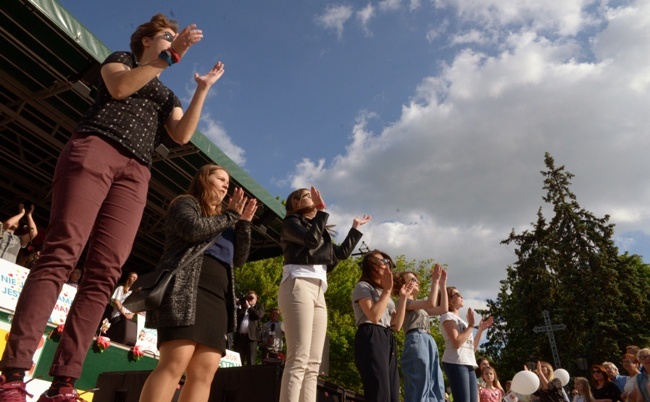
(320, 206)
(175, 56)
(167, 56)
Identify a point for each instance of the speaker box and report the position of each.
(244, 384)
(122, 386)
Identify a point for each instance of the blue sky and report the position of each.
(431, 115)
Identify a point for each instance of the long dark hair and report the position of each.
(368, 272)
(291, 201)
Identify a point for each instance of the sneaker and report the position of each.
(13, 391)
(66, 394)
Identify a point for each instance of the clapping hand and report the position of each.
(249, 210)
(470, 317)
(360, 221)
(237, 201)
(317, 199)
(485, 323)
(211, 76)
(436, 273)
(186, 38)
(387, 280)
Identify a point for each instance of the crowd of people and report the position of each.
(98, 196)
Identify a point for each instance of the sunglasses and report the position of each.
(414, 279)
(597, 372)
(457, 294)
(376, 260)
(168, 36)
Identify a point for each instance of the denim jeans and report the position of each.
(462, 379)
(421, 369)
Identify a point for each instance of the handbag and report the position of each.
(149, 289)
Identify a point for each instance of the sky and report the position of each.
(433, 116)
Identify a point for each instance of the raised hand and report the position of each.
(407, 289)
(21, 208)
(31, 210)
(443, 280)
(436, 273)
(249, 210)
(237, 201)
(485, 323)
(211, 76)
(387, 280)
(317, 199)
(186, 38)
(356, 222)
(470, 317)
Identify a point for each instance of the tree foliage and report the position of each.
(571, 267)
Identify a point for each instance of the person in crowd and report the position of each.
(309, 254)
(482, 362)
(121, 293)
(11, 243)
(423, 379)
(377, 317)
(582, 390)
(603, 389)
(99, 193)
(32, 259)
(490, 390)
(272, 335)
(458, 360)
(199, 305)
(74, 278)
(550, 388)
(120, 315)
(507, 386)
(642, 384)
(249, 313)
(614, 376)
(631, 364)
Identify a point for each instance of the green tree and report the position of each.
(571, 267)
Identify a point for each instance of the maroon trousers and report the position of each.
(98, 196)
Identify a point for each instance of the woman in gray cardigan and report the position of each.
(198, 309)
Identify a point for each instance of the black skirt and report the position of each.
(210, 324)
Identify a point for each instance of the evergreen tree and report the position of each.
(571, 267)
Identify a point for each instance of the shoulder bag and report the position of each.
(149, 289)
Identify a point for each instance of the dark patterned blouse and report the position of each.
(136, 122)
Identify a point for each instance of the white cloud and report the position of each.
(389, 5)
(560, 17)
(334, 17)
(217, 134)
(364, 16)
(460, 167)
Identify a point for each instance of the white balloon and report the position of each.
(562, 375)
(525, 383)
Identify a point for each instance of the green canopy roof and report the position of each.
(48, 70)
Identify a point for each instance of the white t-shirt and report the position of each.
(119, 295)
(465, 354)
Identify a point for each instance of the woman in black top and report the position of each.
(98, 196)
(603, 389)
(198, 307)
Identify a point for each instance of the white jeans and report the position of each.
(302, 303)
